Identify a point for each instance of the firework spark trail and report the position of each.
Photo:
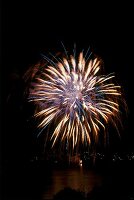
(72, 95)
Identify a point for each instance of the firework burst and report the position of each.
(73, 97)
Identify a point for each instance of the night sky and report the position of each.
(29, 29)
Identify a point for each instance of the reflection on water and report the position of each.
(39, 181)
(79, 179)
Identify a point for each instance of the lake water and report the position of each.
(40, 182)
(79, 179)
(106, 182)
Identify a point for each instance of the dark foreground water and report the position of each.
(38, 181)
(78, 178)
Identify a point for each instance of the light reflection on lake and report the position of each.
(79, 179)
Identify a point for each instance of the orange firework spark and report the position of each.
(73, 97)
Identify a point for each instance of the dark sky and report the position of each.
(29, 29)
